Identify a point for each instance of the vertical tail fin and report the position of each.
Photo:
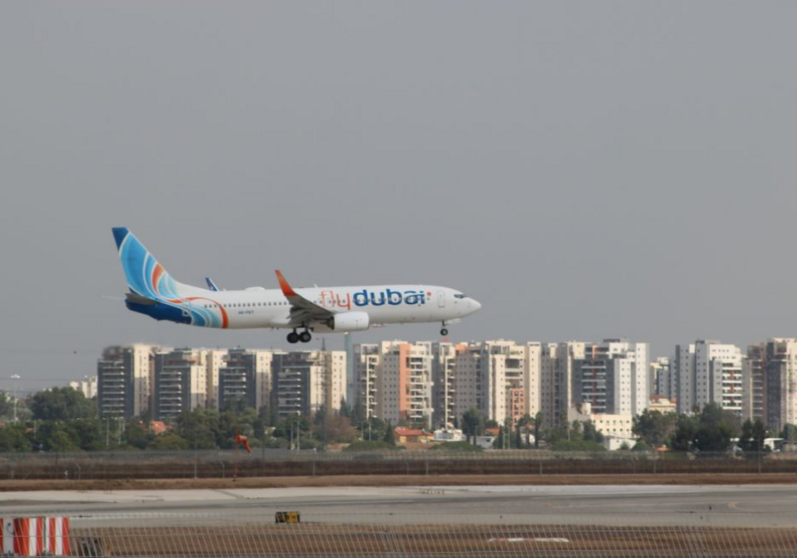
(145, 276)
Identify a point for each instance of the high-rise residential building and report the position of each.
(444, 360)
(366, 363)
(661, 378)
(502, 379)
(556, 371)
(124, 380)
(214, 360)
(179, 382)
(770, 383)
(532, 381)
(352, 384)
(708, 372)
(612, 377)
(87, 386)
(404, 382)
(245, 377)
(306, 381)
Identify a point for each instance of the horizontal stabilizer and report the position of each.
(138, 299)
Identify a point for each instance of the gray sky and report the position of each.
(585, 170)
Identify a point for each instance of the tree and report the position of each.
(89, 434)
(712, 430)
(358, 414)
(789, 433)
(472, 423)
(537, 428)
(653, 427)
(683, 438)
(500, 441)
(6, 405)
(136, 435)
(13, 439)
(169, 442)
(590, 432)
(753, 436)
(390, 435)
(54, 436)
(345, 408)
(717, 427)
(62, 404)
(199, 428)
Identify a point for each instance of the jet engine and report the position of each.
(349, 321)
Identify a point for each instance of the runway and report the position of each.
(708, 506)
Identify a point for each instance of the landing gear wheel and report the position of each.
(305, 336)
(444, 332)
(293, 337)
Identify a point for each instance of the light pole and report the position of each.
(15, 377)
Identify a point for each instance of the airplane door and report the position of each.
(441, 299)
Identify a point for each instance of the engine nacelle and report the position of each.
(349, 321)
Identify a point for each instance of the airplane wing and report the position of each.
(303, 310)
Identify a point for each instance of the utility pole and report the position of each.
(15, 377)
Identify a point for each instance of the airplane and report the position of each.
(153, 292)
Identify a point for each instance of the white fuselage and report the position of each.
(257, 307)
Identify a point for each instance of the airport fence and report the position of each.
(389, 535)
(265, 463)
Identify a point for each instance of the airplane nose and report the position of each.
(475, 305)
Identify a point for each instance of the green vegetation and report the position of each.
(577, 445)
(753, 435)
(710, 431)
(371, 446)
(472, 423)
(456, 446)
(62, 404)
(654, 428)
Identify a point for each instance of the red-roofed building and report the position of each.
(409, 435)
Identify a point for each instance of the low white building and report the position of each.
(615, 425)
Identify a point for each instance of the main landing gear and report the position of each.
(304, 337)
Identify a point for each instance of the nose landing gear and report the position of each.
(443, 330)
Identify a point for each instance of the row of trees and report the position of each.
(712, 430)
(62, 419)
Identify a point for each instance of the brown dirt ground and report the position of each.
(398, 480)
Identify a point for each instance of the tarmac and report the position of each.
(609, 505)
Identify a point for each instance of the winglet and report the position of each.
(286, 288)
(211, 285)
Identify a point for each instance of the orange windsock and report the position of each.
(243, 441)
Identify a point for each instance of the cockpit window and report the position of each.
(460, 295)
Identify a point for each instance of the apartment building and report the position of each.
(661, 378)
(502, 379)
(124, 380)
(444, 360)
(557, 361)
(404, 382)
(306, 381)
(708, 372)
(245, 377)
(87, 386)
(179, 382)
(770, 383)
(214, 360)
(612, 377)
(366, 364)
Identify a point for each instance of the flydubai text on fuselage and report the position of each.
(152, 291)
